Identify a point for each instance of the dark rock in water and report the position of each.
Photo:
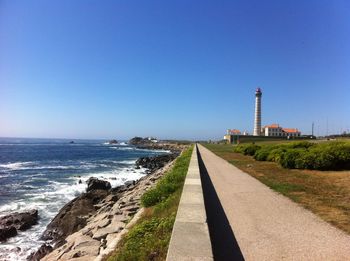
(94, 184)
(113, 142)
(7, 232)
(138, 140)
(71, 142)
(72, 217)
(154, 163)
(9, 224)
(40, 253)
(20, 221)
(79, 182)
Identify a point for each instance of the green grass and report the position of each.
(149, 238)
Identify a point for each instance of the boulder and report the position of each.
(154, 163)
(73, 216)
(40, 253)
(7, 232)
(95, 184)
(9, 224)
(113, 142)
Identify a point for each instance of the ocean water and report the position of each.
(44, 174)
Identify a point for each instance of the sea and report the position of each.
(45, 174)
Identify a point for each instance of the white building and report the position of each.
(231, 135)
(274, 130)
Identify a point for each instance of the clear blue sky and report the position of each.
(172, 69)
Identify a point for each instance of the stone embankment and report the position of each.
(89, 226)
(190, 239)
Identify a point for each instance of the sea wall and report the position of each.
(190, 238)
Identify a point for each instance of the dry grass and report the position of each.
(326, 193)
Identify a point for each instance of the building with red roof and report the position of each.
(275, 130)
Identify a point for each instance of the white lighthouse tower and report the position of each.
(257, 119)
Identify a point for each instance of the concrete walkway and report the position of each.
(267, 225)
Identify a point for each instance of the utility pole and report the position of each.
(312, 133)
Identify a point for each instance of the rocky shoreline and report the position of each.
(86, 227)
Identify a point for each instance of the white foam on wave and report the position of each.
(30, 165)
(122, 148)
(16, 165)
(125, 162)
(155, 151)
(51, 198)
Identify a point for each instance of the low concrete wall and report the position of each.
(190, 238)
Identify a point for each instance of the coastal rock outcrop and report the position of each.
(40, 253)
(73, 216)
(105, 220)
(89, 226)
(154, 163)
(9, 224)
(95, 183)
(146, 143)
(138, 140)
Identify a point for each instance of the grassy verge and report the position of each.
(149, 238)
(326, 193)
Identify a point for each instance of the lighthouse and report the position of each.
(257, 119)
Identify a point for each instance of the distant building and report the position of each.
(275, 130)
(232, 135)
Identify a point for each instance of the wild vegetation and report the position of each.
(302, 154)
(149, 238)
(326, 193)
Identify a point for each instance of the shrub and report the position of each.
(152, 197)
(302, 154)
(246, 149)
(332, 156)
(239, 148)
(300, 144)
(328, 156)
(276, 154)
(306, 160)
(251, 149)
(344, 156)
(263, 153)
(289, 157)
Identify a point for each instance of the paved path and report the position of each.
(267, 225)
